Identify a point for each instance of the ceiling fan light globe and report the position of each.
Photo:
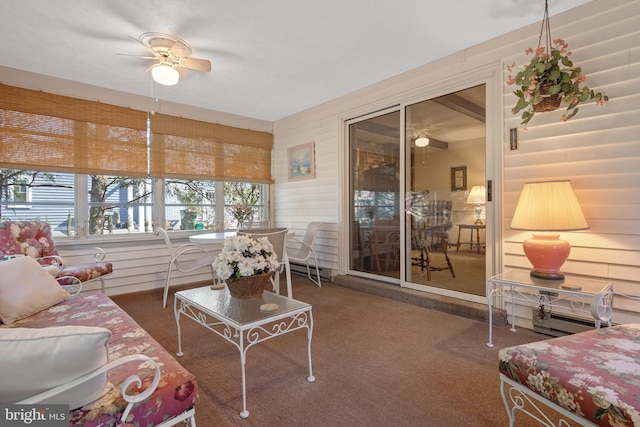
(165, 75)
(422, 141)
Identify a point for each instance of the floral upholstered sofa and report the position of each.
(86, 352)
(34, 239)
(592, 377)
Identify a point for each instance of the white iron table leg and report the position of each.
(490, 304)
(243, 359)
(176, 313)
(310, 378)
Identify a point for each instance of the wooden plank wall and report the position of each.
(598, 150)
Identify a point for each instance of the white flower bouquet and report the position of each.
(244, 256)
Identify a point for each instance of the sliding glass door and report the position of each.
(375, 200)
(432, 234)
(445, 229)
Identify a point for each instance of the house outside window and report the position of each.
(20, 192)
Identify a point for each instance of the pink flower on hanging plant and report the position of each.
(550, 72)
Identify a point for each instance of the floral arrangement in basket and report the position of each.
(550, 79)
(244, 256)
(242, 213)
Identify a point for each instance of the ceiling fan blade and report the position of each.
(197, 64)
(137, 56)
(180, 49)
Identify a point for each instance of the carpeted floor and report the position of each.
(377, 362)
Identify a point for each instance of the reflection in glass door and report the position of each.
(445, 147)
(375, 201)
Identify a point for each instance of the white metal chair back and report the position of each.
(187, 257)
(258, 224)
(278, 239)
(302, 251)
(161, 231)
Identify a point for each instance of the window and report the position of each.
(20, 191)
(243, 194)
(118, 205)
(34, 195)
(190, 205)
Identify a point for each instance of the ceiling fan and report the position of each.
(172, 56)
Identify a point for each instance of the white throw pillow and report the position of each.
(26, 288)
(36, 360)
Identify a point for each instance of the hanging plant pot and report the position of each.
(551, 63)
(548, 102)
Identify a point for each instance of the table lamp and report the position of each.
(547, 208)
(477, 197)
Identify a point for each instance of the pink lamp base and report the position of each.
(547, 253)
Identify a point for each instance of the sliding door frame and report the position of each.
(491, 76)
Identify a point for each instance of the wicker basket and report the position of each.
(548, 102)
(250, 286)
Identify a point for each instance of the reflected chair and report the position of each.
(382, 239)
(182, 257)
(392, 243)
(302, 251)
(357, 247)
(35, 239)
(278, 239)
(429, 232)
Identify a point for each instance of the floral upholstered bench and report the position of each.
(84, 351)
(592, 377)
(34, 239)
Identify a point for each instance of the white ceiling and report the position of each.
(270, 58)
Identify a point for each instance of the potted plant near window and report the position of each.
(246, 264)
(550, 79)
(242, 214)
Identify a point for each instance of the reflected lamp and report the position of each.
(545, 208)
(477, 197)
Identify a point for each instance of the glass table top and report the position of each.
(583, 285)
(219, 303)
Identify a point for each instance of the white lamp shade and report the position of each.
(165, 75)
(477, 195)
(548, 206)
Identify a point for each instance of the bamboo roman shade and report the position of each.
(43, 131)
(199, 150)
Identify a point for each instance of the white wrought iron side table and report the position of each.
(244, 322)
(580, 295)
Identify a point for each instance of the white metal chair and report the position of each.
(302, 251)
(278, 238)
(184, 265)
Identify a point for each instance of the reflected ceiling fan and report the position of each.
(172, 56)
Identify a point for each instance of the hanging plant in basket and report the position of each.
(246, 264)
(550, 79)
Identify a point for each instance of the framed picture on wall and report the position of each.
(459, 178)
(302, 163)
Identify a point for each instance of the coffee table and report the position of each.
(244, 322)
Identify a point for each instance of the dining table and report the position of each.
(206, 238)
(218, 237)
